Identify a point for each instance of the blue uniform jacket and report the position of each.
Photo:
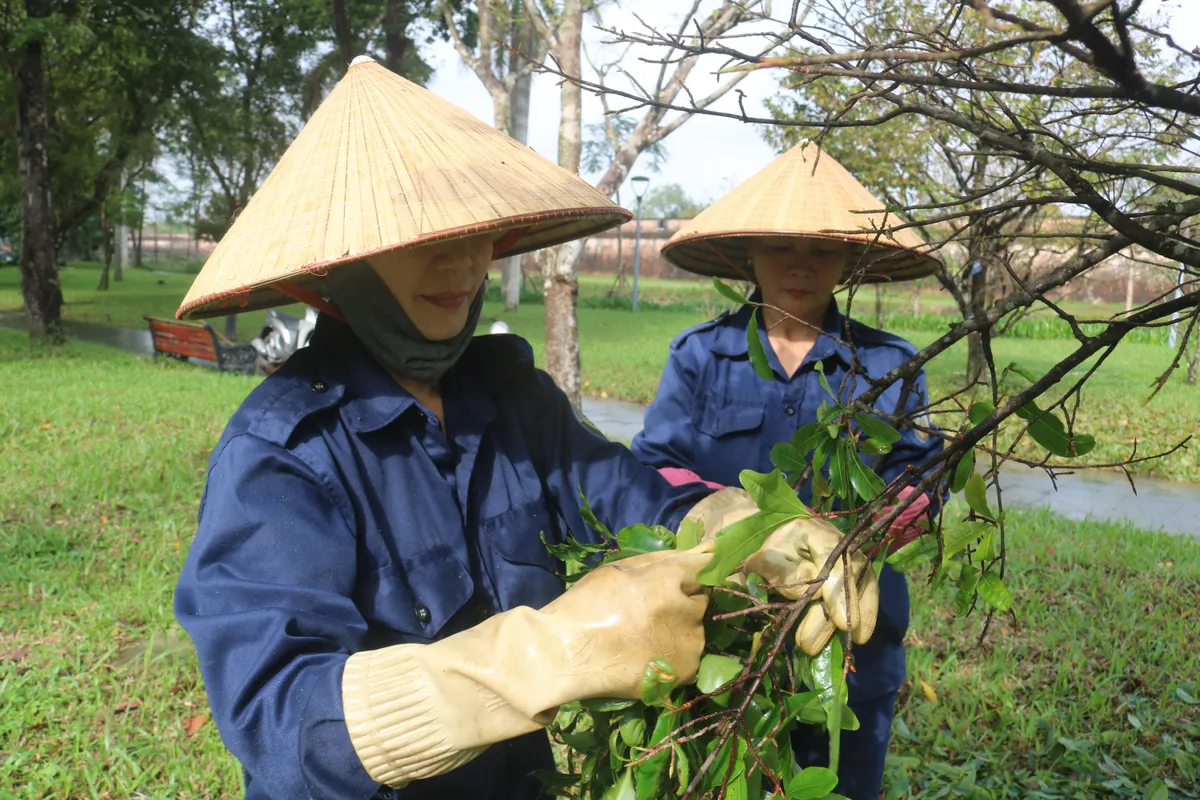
(338, 516)
(713, 415)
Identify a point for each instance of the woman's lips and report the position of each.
(799, 294)
(447, 300)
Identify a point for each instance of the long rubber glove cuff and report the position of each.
(414, 711)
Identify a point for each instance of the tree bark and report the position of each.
(231, 327)
(1129, 288)
(395, 35)
(347, 46)
(1194, 363)
(878, 306)
(106, 247)
(976, 291)
(39, 270)
(558, 268)
(510, 268)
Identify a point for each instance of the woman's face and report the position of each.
(436, 284)
(796, 274)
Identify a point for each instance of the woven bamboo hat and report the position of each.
(385, 164)
(803, 192)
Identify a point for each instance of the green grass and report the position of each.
(1092, 693)
(104, 458)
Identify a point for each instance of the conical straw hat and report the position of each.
(383, 164)
(788, 197)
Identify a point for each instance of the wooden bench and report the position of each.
(184, 340)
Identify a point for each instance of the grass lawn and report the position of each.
(623, 355)
(104, 458)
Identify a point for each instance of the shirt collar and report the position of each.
(731, 339)
(374, 399)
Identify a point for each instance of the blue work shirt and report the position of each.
(339, 516)
(715, 416)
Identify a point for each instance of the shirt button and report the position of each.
(422, 612)
(789, 410)
(319, 386)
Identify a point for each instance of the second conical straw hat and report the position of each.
(384, 164)
(804, 192)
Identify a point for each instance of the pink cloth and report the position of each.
(902, 530)
(678, 476)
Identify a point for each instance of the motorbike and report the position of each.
(281, 336)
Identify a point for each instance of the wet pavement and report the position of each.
(1158, 505)
(131, 340)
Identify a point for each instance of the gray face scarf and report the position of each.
(387, 332)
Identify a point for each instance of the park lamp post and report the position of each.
(639, 184)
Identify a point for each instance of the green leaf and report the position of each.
(957, 537)
(989, 546)
(622, 789)
(805, 707)
(589, 516)
(980, 411)
(913, 554)
(968, 580)
(876, 429)
(831, 686)
(754, 346)
(841, 469)
(728, 292)
(716, 671)
(874, 448)
(862, 477)
(1157, 790)
(811, 783)
(785, 457)
(992, 589)
(1022, 371)
(603, 704)
(649, 775)
(738, 542)
(638, 539)
(975, 493)
(633, 727)
(691, 533)
(963, 472)
(807, 437)
(658, 679)
(820, 369)
(1049, 431)
(772, 492)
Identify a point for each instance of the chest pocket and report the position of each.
(718, 417)
(520, 569)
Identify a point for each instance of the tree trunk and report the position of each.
(510, 268)
(346, 44)
(914, 307)
(1194, 363)
(558, 270)
(1129, 288)
(879, 306)
(231, 327)
(39, 270)
(106, 245)
(395, 35)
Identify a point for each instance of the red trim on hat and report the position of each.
(309, 298)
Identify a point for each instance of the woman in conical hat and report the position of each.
(796, 229)
(369, 591)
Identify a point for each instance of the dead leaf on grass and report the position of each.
(193, 724)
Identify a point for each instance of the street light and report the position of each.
(639, 184)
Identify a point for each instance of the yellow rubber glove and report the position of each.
(414, 711)
(791, 558)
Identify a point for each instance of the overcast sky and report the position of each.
(707, 156)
